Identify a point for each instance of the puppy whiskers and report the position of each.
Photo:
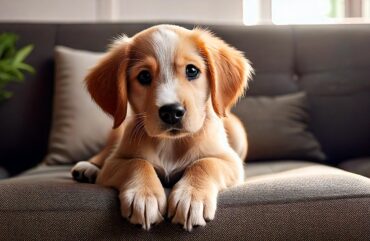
(138, 133)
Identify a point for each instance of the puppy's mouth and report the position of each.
(166, 131)
(173, 132)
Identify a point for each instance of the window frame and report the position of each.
(354, 12)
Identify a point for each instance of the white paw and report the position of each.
(142, 205)
(85, 171)
(191, 206)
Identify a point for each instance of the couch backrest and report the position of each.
(331, 63)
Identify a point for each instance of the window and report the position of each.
(305, 11)
(366, 9)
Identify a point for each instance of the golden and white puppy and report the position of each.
(169, 91)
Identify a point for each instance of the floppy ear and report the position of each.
(107, 83)
(227, 68)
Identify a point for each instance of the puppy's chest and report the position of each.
(170, 161)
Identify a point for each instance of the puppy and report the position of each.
(169, 91)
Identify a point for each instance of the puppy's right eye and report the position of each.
(144, 77)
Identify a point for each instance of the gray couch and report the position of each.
(280, 200)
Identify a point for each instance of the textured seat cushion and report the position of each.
(292, 200)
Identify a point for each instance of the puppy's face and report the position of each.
(167, 82)
(170, 76)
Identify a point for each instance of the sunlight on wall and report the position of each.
(304, 12)
(366, 8)
(251, 12)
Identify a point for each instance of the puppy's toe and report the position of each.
(143, 207)
(85, 171)
(195, 215)
(190, 206)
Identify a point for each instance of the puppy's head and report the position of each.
(171, 77)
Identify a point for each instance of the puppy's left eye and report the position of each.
(191, 72)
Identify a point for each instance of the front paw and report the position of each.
(191, 205)
(85, 171)
(143, 205)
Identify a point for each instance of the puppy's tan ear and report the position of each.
(227, 68)
(107, 82)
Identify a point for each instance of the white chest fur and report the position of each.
(168, 159)
(166, 156)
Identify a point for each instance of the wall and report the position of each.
(48, 10)
(201, 11)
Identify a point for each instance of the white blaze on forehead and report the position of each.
(165, 42)
(166, 93)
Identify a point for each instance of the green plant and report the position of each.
(12, 66)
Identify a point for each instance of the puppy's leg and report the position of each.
(142, 197)
(87, 171)
(193, 199)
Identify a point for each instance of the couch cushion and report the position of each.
(279, 200)
(278, 128)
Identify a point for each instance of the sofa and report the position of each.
(281, 199)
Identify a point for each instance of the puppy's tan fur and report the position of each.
(208, 151)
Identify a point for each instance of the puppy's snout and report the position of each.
(171, 114)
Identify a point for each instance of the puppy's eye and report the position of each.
(192, 72)
(144, 77)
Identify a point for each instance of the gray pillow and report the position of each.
(79, 127)
(277, 128)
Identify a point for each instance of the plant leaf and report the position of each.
(12, 67)
(21, 54)
(7, 43)
(26, 67)
(6, 77)
(18, 74)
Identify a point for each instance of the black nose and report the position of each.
(171, 114)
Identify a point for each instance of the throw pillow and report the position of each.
(278, 128)
(79, 127)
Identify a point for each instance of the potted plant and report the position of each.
(12, 65)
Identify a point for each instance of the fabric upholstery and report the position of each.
(288, 200)
(278, 128)
(80, 128)
(359, 166)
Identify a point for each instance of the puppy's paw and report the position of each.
(85, 171)
(143, 205)
(192, 206)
